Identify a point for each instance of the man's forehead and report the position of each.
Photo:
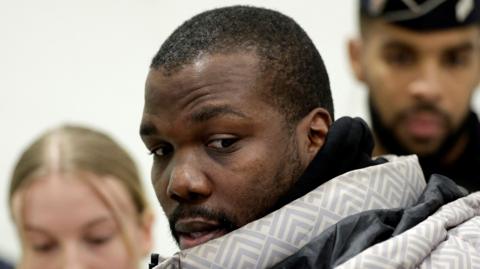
(445, 39)
(219, 59)
(212, 79)
(205, 70)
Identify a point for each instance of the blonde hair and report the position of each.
(71, 148)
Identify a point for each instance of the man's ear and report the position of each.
(355, 55)
(313, 130)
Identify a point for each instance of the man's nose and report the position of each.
(187, 181)
(427, 84)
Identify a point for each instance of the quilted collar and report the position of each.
(266, 241)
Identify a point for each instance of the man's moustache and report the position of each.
(421, 108)
(186, 211)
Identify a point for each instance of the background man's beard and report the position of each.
(389, 140)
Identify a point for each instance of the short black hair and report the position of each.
(299, 81)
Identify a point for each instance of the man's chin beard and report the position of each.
(225, 223)
(392, 145)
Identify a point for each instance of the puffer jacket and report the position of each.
(381, 215)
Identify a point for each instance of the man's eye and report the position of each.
(400, 58)
(222, 143)
(456, 59)
(161, 151)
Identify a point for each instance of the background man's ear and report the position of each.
(355, 55)
(313, 130)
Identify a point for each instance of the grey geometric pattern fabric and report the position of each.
(450, 238)
(269, 240)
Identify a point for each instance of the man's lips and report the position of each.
(424, 125)
(195, 231)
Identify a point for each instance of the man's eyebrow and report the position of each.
(466, 46)
(394, 44)
(211, 112)
(147, 129)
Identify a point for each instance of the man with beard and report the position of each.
(421, 63)
(252, 173)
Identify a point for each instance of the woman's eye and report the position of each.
(44, 248)
(98, 240)
(222, 143)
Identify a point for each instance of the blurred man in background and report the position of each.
(421, 63)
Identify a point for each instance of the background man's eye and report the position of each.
(456, 59)
(222, 143)
(400, 58)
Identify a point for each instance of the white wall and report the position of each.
(86, 61)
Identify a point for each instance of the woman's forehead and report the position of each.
(73, 198)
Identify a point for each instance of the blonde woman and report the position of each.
(77, 201)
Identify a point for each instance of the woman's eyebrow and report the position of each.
(96, 221)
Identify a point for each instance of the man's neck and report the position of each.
(448, 159)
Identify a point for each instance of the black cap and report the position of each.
(423, 15)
